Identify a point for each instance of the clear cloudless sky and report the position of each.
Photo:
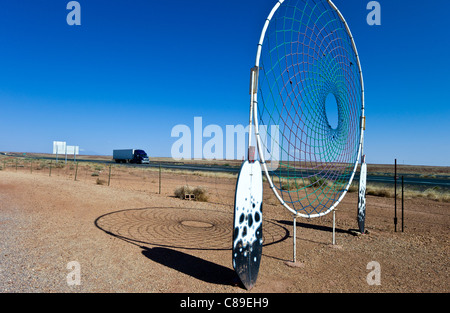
(135, 69)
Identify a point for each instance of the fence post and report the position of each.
(395, 195)
(402, 207)
(159, 178)
(31, 166)
(50, 171)
(109, 176)
(76, 171)
(16, 164)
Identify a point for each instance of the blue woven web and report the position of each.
(307, 55)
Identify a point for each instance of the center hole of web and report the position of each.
(332, 111)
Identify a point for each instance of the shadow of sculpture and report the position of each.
(316, 227)
(191, 265)
(170, 229)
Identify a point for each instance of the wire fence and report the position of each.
(218, 187)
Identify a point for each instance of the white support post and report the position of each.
(295, 240)
(334, 227)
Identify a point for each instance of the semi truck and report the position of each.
(131, 156)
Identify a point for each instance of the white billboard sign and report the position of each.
(59, 147)
(75, 150)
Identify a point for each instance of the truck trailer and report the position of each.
(130, 156)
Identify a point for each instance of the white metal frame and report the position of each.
(254, 113)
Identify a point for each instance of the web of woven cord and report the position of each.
(307, 55)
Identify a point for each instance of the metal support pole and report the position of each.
(334, 227)
(295, 240)
(76, 171)
(402, 208)
(395, 196)
(109, 176)
(159, 178)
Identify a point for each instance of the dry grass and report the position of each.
(100, 181)
(299, 183)
(295, 185)
(200, 193)
(431, 194)
(389, 192)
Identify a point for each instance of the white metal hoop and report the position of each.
(254, 116)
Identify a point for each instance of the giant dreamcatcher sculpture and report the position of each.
(305, 54)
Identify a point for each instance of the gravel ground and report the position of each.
(134, 241)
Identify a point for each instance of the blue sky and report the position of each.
(135, 69)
